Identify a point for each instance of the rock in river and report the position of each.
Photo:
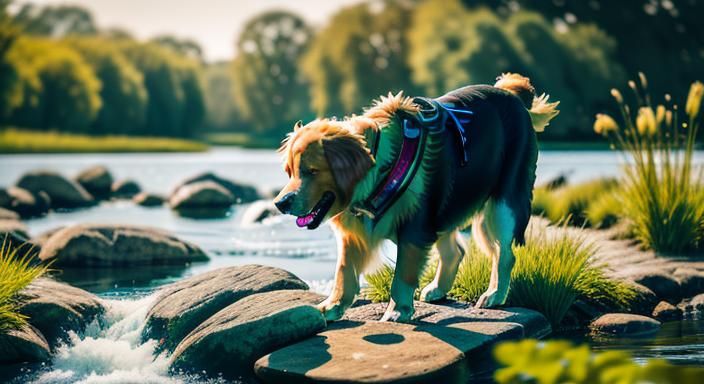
(13, 234)
(230, 341)
(64, 193)
(146, 199)
(104, 245)
(125, 189)
(56, 308)
(624, 325)
(241, 192)
(23, 345)
(97, 180)
(182, 306)
(203, 195)
(25, 203)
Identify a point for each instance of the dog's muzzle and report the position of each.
(284, 204)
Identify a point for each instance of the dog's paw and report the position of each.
(398, 314)
(331, 310)
(491, 299)
(432, 293)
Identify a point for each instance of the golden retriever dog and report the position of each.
(415, 171)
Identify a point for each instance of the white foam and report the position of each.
(110, 351)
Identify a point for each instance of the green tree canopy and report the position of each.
(271, 91)
(359, 55)
(222, 112)
(123, 92)
(56, 21)
(59, 89)
(185, 47)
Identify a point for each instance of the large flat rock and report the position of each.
(105, 245)
(229, 342)
(23, 345)
(624, 325)
(372, 352)
(182, 306)
(56, 308)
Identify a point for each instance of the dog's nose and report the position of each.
(284, 203)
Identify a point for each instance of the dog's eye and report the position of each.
(309, 171)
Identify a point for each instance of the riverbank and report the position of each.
(14, 140)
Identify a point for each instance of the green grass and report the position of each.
(243, 140)
(573, 203)
(23, 141)
(662, 193)
(549, 275)
(16, 272)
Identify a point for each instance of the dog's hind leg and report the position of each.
(500, 224)
(451, 248)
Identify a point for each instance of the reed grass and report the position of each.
(661, 197)
(14, 140)
(16, 272)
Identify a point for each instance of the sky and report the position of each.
(214, 24)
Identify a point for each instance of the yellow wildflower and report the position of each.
(604, 124)
(694, 100)
(646, 121)
(617, 95)
(660, 114)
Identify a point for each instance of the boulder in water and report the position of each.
(146, 199)
(125, 189)
(25, 203)
(97, 180)
(242, 193)
(230, 341)
(106, 245)
(24, 345)
(56, 308)
(182, 306)
(62, 192)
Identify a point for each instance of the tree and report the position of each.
(222, 113)
(10, 89)
(175, 104)
(185, 47)
(359, 55)
(56, 21)
(271, 92)
(59, 89)
(453, 47)
(123, 93)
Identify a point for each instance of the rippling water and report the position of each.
(110, 352)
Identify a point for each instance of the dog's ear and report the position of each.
(349, 160)
(298, 125)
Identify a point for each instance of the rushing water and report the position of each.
(110, 352)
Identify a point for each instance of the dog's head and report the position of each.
(324, 161)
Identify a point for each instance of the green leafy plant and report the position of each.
(661, 196)
(16, 272)
(532, 361)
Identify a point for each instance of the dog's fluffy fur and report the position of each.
(493, 191)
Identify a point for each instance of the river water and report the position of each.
(111, 352)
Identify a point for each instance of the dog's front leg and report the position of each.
(409, 261)
(350, 262)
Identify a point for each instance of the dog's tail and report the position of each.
(541, 111)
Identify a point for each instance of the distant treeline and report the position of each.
(60, 71)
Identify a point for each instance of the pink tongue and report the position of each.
(302, 221)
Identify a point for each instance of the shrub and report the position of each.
(661, 197)
(532, 361)
(571, 202)
(549, 275)
(604, 211)
(16, 272)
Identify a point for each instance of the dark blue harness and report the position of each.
(432, 118)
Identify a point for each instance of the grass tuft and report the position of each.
(16, 272)
(572, 203)
(21, 141)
